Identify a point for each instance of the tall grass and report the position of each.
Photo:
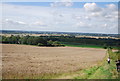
(103, 70)
(114, 55)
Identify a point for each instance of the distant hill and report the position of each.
(53, 32)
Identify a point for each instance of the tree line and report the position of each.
(59, 40)
(29, 40)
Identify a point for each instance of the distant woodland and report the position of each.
(60, 41)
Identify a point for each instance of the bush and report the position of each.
(105, 47)
(40, 44)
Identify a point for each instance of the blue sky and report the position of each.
(67, 16)
(47, 4)
(59, 0)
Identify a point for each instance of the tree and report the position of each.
(23, 40)
(50, 43)
(105, 46)
(40, 44)
(30, 40)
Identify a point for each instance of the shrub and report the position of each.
(40, 44)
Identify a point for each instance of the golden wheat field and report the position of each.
(25, 61)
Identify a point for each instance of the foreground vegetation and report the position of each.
(102, 70)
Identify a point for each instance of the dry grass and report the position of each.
(24, 61)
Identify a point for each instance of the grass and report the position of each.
(106, 71)
(85, 45)
(102, 71)
(88, 46)
(81, 45)
(86, 73)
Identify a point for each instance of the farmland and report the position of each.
(25, 61)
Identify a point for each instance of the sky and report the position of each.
(65, 16)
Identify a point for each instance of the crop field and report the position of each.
(25, 61)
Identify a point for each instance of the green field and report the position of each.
(84, 45)
(88, 46)
(80, 45)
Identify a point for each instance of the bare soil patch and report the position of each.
(25, 61)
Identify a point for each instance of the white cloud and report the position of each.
(92, 7)
(39, 23)
(105, 25)
(87, 17)
(111, 7)
(82, 24)
(93, 11)
(97, 14)
(90, 18)
(106, 14)
(9, 21)
(78, 17)
(66, 3)
(13, 24)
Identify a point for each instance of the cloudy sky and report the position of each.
(65, 16)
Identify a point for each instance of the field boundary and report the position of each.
(102, 70)
(82, 74)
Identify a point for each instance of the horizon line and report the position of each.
(58, 31)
